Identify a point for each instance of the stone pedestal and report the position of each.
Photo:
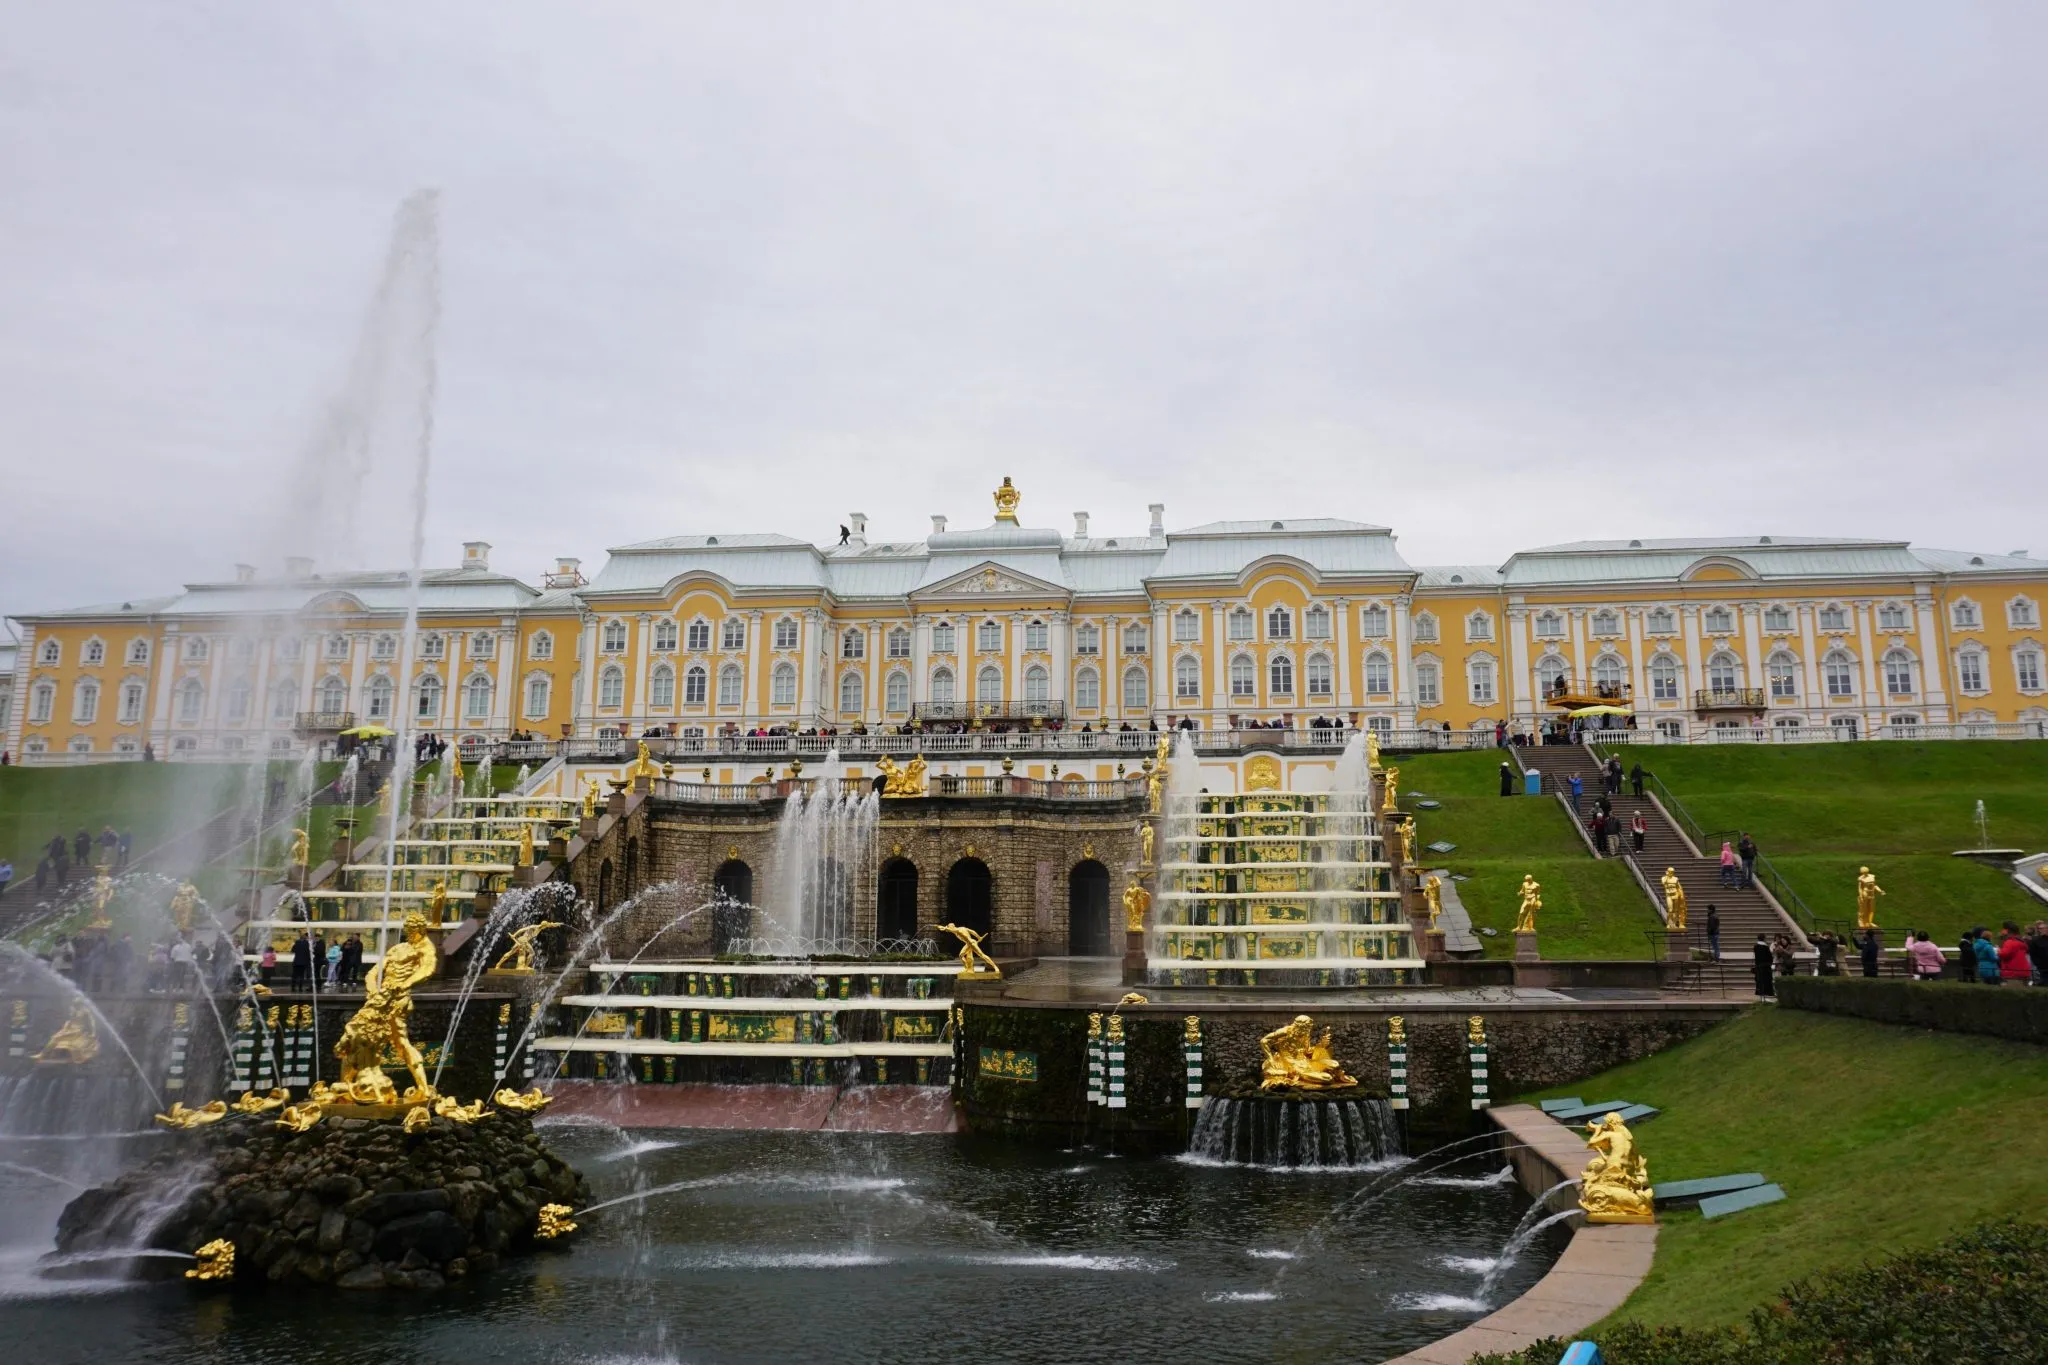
(1525, 948)
(1677, 946)
(615, 804)
(558, 847)
(643, 784)
(586, 827)
(481, 904)
(1433, 949)
(1134, 958)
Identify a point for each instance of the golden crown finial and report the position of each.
(1007, 498)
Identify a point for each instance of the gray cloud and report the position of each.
(1490, 276)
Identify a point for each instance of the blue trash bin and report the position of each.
(1532, 782)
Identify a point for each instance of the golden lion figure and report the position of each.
(1295, 1057)
(381, 1022)
(973, 961)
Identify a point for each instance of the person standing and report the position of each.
(1966, 956)
(302, 959)
(1635, 777)
(1781, 954)
(1762, 968)
(266, 966)
(1825, 962)
(181, 965)
(1746, 850)
(2037, 951)
(1728, 861)
(81, 847)
(2014, 968)
(1713, 927)
(1578, 789)
(6, 876)
(1600, 832)
(1637, 828)
(122, 848)
(1987, 958)
(1507, 780)
(1870, 951)
(334, 956)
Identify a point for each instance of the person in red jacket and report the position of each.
(2013, 967)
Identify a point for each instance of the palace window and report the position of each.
(483, 645)
(1187, 679)
(1037, 637)
(428, 696)
(1372, 622)
(1279, 624)
(1549, 674)
(849, 693)
(1784, 671)
(1240, 624)
(785, 632)
(1834, 618)
(196, 650)
(1187, 626)
(697, 639)
(853, 644)
(541, 645)
(1964, 615)
(1280, 676)
(731, 686)
(432, 646)
(988, 637)
(782, 685)
(384, 647)
(697, 685)
(82, 744)
(942, 637)
(2026, 668)
(1608, 671)
(1137, 638)
(1898, 673)
(664, 635)
(1428, 685)
(988, 686)
(331, 696)
(1717, 621)
(1037, 683)
(611, 638)
(942, 687)
(1480, 673)
(1724, 672)
(1660, 621)
(1891, 616)
(85, 702)
(1244, 679)
(2020, 614)
(1315, 623)
(131, 703)
(896, 692)
(1425, 628)
(1838, 674)
(537, 697)
(1479, 626)
(42, 700)
(1606, 622)
(477, 697)
(95, 652)
(241, 649)
(1135, 696)
(1549, 626)
(1321, 680)
(611, 684)
(733, 633)
(1087, 690)
(49, 653)
(138, 651)
(1379, 674)
(1970, 671)
(1664, 678)
(899, 643)
(1777, 620)
(1087, 640)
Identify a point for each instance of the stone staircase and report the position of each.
(1744, 913)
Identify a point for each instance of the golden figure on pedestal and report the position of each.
(216, 1261)
(525, 846)
(184, 906)
(1145, 842)
(1390, 795)
(301, 850)
(643, 765)
(973, 961)
(1867, 892)
(520, 954)
(1674, 901)
(590, 798)
(1372, 750)
(908, 780)
(76, 1040)
(1155, 786)
(381, 1022)
(1295, 1057)
(102, 896)
(1532, 901)
(1007, 498)
(1137, 900)
(1615, 1186)
(1433, 892)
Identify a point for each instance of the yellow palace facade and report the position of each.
(1284, 620)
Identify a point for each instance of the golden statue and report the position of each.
(590, 798)
(1674, 901)
(1372, 750)
(1475, 1030)
(76, 1040)
(531, 1102)
(181, 1117)
(448, 1107)
(526, 846)
(455, 771)
(1296, 1058)
(1867, 892)
(643, 765)
(1532, 901)
(1397, 1029)
(102, 894)
(302, 849)
(1615, 1186)
(253, 1103)
(1137, 900)
(1433, 892)
(554, 1222)
(380, 1023)
(520, 954)
(909, 780)
(301, 1117)
(1165, 750)
(437, 903)
(216, 1261)
(1155, 786)
(417, 1117)
(1145, 840)
(972, 957)
(1396, 839)
(1007, 498)
(184, 906)
(1390, 779)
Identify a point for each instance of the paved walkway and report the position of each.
(1455, 922)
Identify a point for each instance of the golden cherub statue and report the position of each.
(1532, 901)
(76, 1040)
(1007, 498)
(380, 1024)
(181, 1117)
(1615, 1186)
(590, 798)
(1433, 892)
(1674, 901)
(1867, 892)
(184, 906)
(973, 961)
(1389, 791)
(1294, 1057)
(301, 850)
(1137, 900)
(1396, 841)
(526, 846)
(1165, 750)
(520, 954)
(905, 781)
(1145, 842)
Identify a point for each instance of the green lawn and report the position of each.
(1884, 1138)
(1591, 909)
(1820, 811)
(154, 801)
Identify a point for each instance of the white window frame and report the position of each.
(782, 685)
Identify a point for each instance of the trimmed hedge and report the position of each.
(1979, 1297)
(1950, 1006)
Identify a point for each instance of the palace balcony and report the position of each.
(1573, 693)
(1730, 699)
(987, 711)
(324, 722)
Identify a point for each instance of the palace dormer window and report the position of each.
(483, 645)
(1037, 636)
(1549, 626)
(138, 651)
(1606, 622)
(1187, 626)
(988, 637)
(697, 639)
(733, 633)
(1479, 626)
(1315, 623)
(1718, 621)
(1964, 615)
(2021, 614)
(49, 653)
(1777, 620)
(1279, 624)
(196, 649)
(384, 647)
(1137, 638)
(899, 643)
(432, 646)
(541, 645)
(942, 637)
(1425, 627)
(1372, 622)
(1660, 621)
(95, 652)
(785, 632)
(1891, 616)
(336, 649)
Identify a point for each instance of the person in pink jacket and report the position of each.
(1925, 958)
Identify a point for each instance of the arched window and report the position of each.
(1428, 684)
(331, 695)
(1898, 673)
(1660, 621)
(1891, 616)
(1834, 617)
(1187, 679)
(942, 637)
(1608, 672)
(1424, 626)
(1549, 625)
(1136, 695)
(1970, 670)
(1838, 674)
(132, 693)
(483, 645)
(1479, 673)
(942, 687)
(853, 644)
(899, 643)
(1964, 614)
(1315, 623)
(849, 692)
(541, 646)
(1784, 671)
(1549, 675)
(1717, 621)
(42, 700)
(96, 652)
(196, 648)
(537, 689)
(2026, 668)
(1479, 626)
(1087, 640)
(1280, 675)
(661, 688)
(85, 702)
(1322, 680)
(696, 685)
(1244, 678)
(733, 633)
(988, 686)
(698, 638)
(1240, 623)
(1724, 672)
(1373, 622)
(1777, 619)
(1606, 622)
(384, 647)
(1087, 690)
(731, 686)
(1279, 623)
(611, 685)
(782, 685)
(192, 700)
(896, 692)
(476, 695)
(138, 651)
(664, 636)
(49, 652)
(785, 632)
(1379, 674)
(1037, 684)
(1137, 637)
(1664, 678)
(1037, 637)
(428, 696)
(376, 698)
(988, 637)
(1187, 626)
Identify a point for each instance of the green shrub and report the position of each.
(1951, 1006)
(1979, 1297)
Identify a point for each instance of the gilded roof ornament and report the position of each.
(1007, 498)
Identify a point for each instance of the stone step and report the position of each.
(1721, 1204)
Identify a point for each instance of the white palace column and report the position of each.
(1112, 669)
(1341, 642)
(586, 674)
(752, 661)
(506, 711)
(641, 674)
(1753, 648)
(1160, 663)
(1404, 663)
(1639, 674)
(1695, 679)
(1013, 638)
(358, 666)
(1810, 650)
(1873, 694)
(1933, 665)
(1516, 693)
(1061, 625)
(1217, 693)
(920, 661)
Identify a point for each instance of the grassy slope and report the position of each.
(1884, 1138)
(1819, 811)
(1591, 909)
(153, 800)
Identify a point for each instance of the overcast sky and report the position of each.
(1494, 276)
